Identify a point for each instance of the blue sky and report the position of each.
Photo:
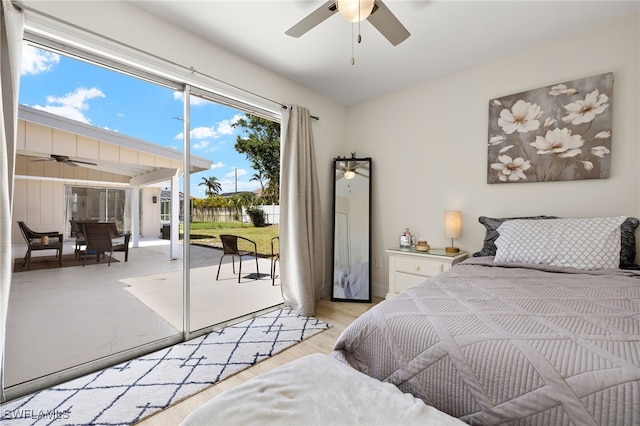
(133, 107)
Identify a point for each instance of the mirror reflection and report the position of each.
(351, 230)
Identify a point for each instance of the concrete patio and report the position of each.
(64, 317)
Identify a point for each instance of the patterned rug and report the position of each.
(51, 262)
(128, 392)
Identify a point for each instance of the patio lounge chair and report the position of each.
(100, 239)
(230, 247)
(40, 241)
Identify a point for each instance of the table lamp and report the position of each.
(452, 228)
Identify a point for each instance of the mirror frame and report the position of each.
(337, 290)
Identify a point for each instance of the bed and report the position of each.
(541, 327)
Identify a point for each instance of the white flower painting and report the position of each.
(554, 133)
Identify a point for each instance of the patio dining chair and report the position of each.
(230, 247)
(275, 257)
(40, 241)
(77, 232)
(100, 239)
(120, 240)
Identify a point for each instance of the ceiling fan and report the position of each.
(65, 160)
(348, 169)
(375, 12)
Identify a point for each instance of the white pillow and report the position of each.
(589, 243)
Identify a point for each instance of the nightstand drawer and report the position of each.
(405, 281)
(407, 268)
(422, 267)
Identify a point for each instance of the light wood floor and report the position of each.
(338, 314)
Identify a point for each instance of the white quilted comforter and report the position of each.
(316, 390)
(509, 344)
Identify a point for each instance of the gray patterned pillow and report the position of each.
(627, 248)
(581, 243)
(492, 224)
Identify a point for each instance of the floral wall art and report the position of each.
(558, 132)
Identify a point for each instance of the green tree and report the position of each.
(261, 144)
(241, 200)
(212, 184)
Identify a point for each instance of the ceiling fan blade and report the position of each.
(386, 22)
(81, 162)
(316, 17)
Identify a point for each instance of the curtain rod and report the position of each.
(312, 116)
(22, 6)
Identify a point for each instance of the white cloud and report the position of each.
(203, 133)
(232, 173)
(217, 165)
(225, 126)
(72, 104)
(193, 100)
(201, 145)
(64, 111)
(36, 61)
(78, 98)
(222, 128)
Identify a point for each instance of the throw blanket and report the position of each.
(509, 344)
(316, 390)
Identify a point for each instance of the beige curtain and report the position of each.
(11, 29)
(301, 234)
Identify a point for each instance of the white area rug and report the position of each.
(126, 393)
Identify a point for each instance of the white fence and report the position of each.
(273, 213)
(230, 215)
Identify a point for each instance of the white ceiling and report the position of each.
(446, 36)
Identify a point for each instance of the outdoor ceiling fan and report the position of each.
(65, 160)
(375, 11)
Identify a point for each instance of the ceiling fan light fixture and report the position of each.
(349, 174)
(355, 10)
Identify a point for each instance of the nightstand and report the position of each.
(409, 267)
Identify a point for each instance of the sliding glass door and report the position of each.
(129, 168)
(101, 204)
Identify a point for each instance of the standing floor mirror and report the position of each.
(351, 267)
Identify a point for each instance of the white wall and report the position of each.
(429, 143)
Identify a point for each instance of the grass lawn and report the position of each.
(207, 233)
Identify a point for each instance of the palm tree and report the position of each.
(260, 178)
(212, 184)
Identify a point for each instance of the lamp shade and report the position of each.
(452, 224)
(355, 10)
